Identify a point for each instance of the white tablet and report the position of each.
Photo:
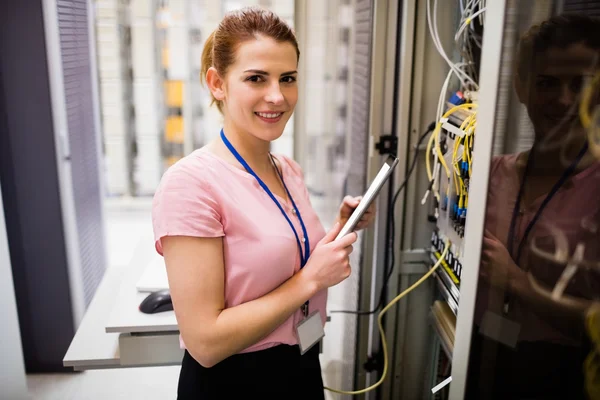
(371, 194)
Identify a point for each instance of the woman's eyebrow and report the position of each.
(260, 72)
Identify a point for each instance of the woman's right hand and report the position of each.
(329, 263)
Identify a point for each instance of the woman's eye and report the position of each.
(288, 79)
(255, 78)
(546, 83)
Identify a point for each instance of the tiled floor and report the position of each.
(126, 222)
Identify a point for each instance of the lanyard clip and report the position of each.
(304, 309)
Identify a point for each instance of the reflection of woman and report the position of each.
(525, 345)
(247, 259)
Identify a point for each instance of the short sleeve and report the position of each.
(495, 164)
(184, 205)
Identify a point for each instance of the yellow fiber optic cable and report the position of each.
(380, 325)
(586, 98)
(446, 115)
(435, 137)
(455, 161)
(591, 123)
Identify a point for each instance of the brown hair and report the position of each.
(239, 26)
(560, 31)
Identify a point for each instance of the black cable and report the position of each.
(390, 247)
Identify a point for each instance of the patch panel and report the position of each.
(448, 275)
(452, 264)
(456, 145)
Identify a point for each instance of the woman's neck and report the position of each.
(550, 162)
(253, 150)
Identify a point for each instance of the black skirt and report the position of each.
(276, 373)
(532, 371)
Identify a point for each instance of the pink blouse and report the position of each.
(575, 210)
(202, 195)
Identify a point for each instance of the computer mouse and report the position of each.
(157, 302)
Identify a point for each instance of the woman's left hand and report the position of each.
(497, 266)
(349, 204)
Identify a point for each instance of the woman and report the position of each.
(527, 345)
(246, 256)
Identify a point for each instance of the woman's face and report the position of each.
(552, 93)
(260, 89)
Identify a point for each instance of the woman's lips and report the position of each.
(269, 117)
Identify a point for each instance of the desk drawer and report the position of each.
(144, 349)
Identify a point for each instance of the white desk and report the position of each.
(154, 277)
(127, 318)
(114, 333)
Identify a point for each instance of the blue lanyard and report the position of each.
(513, 222)
(511, 233)
(303, 256)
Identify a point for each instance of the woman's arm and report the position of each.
(212, 333)
(567, 315)
(498, 269)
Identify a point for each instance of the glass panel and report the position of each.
(326, 88)
(154, 108)
(322, 131)
(540, 261)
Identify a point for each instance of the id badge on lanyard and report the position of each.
(309, 331)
